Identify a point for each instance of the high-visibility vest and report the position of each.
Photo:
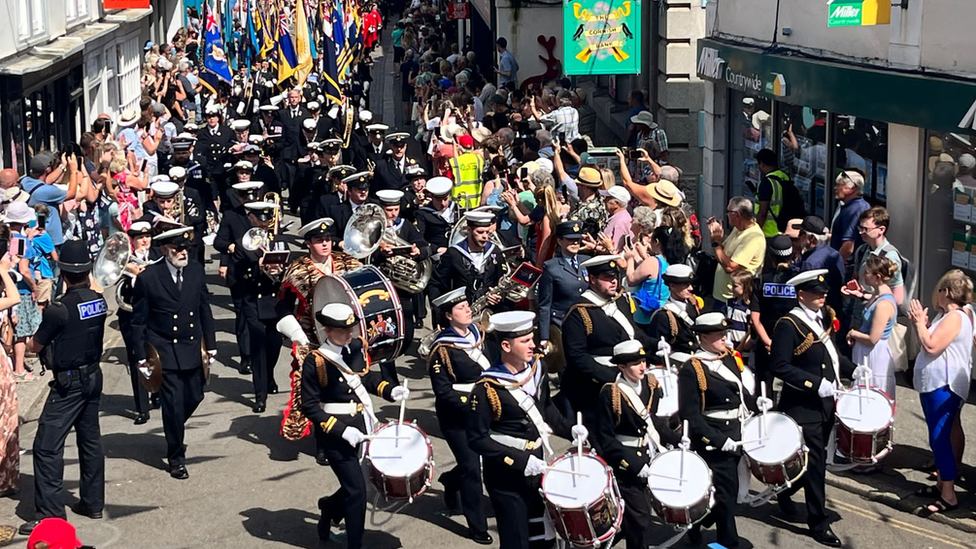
(467, 169)
(770, 227)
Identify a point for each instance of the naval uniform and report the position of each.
(455, 364)
(139, 393)
(479, 272)
(510, 419)
(672, 323)
(171, 311)
(802, 354)
(714, 397)
(71, 332)
(591, 328)
(435, 226)
(630, 434)
(233, 225)
(335, 381)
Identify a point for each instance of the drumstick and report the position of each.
(558, 470)
(579, 448)
(384, 437)
(738, 443)
(681, 466)
(403, 407)
(762, 419)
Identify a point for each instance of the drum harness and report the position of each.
(609, 307)
(652, 440)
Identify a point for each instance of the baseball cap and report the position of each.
(967, 160)
(55, 533)
(793, 228)
(813, 225)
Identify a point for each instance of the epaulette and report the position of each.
(700, 374)
(652, 382)
(808, 340)
(587, 321)
(672, 321)
(831, 317)
(320, 367)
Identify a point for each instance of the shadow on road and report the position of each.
(297, 527)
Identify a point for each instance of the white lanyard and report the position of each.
(611, 310)
(654, 439)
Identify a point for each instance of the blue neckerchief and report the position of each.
(450, 335)
(396, 226)
(501, 373)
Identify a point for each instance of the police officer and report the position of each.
(456, 362)
(69, 339)
(714, 395)
(630, 434)
(600, 319)
(335, 382)
(772, 298)
(171, 312)
(671, 326)
(509, 424)
(804, 356)
(563, 279)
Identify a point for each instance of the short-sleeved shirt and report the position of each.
(52, 197)
(745, 248)
(406, 69)
(41, 247)
(397, 36)
(507, 63)
(825, 257)
(843, 228)
(22, 287)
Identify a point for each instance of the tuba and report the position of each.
(257, 238)
(364, 232)
(109, 268)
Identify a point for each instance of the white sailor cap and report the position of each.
(315, 228)
(811, 281)
(262, 210)
(190, 127)
(512, 324)
(332, 144)
(337, 315)
(678, 274)
(602, 264)
(359, 180)
(158, 178)
(268, 108)
(628, 351)
(389, 197)
(398, 138)
(711, 322)
(488, 208)
(377, 128)
(177, 172)
(314, 105)
(309, 124)
(414, 171)
(240, 125)
(247, 186)
(212, 110)
(439, 186)
(244, 165)
(178, 236)
(365, 116)
(479, 219)
(164, 189)
(447, 301)
(255, 139)
(140, 228)
(185, 136)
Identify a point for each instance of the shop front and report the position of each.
(913, 137)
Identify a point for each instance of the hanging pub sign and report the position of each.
(601, 37)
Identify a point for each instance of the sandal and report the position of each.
(23, 378)
(927, 491)
(941, 506)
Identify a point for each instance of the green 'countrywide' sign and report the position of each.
(601, 37)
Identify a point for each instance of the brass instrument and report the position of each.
(404, 272)
(109, 267)
(361, 238)
(258, 238)
(350, 122)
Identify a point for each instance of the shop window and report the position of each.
(862, 144)
(751, 129)
(949, 208)
(32, 21)
(803, 152)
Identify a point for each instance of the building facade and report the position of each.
(896, 101)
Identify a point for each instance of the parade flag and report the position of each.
(287, 54)
(215, 67)
(330, 71)
(253, 44)
(303, 48)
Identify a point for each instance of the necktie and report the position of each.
(575, 262)
(179, 280)
(213, 131)
(346, 354)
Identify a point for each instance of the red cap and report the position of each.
(57, 533)
(466, 141)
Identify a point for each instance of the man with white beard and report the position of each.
(171, 313)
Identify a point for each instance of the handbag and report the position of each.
(898, 347)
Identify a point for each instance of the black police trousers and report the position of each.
(465, 478)
(349, 499)
(725, 479)
(73, 402)
(180, 394)
(241, 331)
(140, 395)
(813, 482)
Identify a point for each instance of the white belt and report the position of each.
(342, 408)
(680, 357)
(632, 441)
(722, 414)
(605, 360)
(463, 387)
(516, 442)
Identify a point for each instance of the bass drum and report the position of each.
(376, 303)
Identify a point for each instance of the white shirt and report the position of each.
(637, 387)
(337, 349)
(173, 272)
(953, 366)
(816, 316)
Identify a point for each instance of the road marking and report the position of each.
(906, 526)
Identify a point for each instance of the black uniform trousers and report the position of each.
(725, 479)
(73, 402)
(181, 393)
(241, 330)
(139, 393)
(515, 505)
(637, 513)
(265, 348)
(465, 477)
(349, 499)
(813, 482)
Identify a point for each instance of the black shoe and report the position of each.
(321, 459)
(154, 402)
(788, 509)
(694, 536)
(245, 368)
(481, 538)
(826, 537)
(324, 528)
(81, 509)
(179, 472)
(259, 407)
(273, 389)
(28, 527)
(141, 419)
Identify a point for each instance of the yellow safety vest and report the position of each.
(467, 169)
(770, 227)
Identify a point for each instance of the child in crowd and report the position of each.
(43, 256)
(737, 311)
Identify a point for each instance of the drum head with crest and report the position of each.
(111, 260)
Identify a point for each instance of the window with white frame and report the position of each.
(76, 10)
(130, 57)
(32, 21)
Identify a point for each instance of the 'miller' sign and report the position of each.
(858, 13)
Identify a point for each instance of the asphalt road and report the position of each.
(249, 487)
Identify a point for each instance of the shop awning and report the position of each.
(910, 98)
(41, 58)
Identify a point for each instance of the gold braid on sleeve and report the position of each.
(807, 342)
(615, 402)
(673, 323)
(702, 382)
(494, 402)
(321, 368)
(584, 315)
(445, 357)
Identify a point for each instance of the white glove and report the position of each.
(729, 445)
(663, 348)
(400, 393)
(213, 355)
(645, 471)
(685, 443)
(353, 436)
(826, 388)
(534, 466)
(764, 404)
(144, 369)
(862, 372)
(580, 434)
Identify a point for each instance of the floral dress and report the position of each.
(9, 426)
(128, 202)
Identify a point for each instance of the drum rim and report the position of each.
(353, 298)
(708, 485)
(797, 450)
(426, 439)
(877, 391)
(398, 309)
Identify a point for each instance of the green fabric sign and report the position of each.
(844, 14)
(601, 37)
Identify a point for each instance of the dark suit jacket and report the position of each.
(455, 271)
(720, 395)
(559, 288)
(173, 321)
(233, 226)
(433, 227)
(291, 126)
(211, 148)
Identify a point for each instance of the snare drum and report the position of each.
(668, 380)
(865, 424)
(375, 301)
(400, 468)
(773, 444)
(681, 494)
(587, 510)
